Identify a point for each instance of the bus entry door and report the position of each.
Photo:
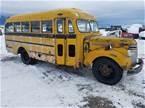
(60, 41)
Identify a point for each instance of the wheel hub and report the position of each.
(105, 70)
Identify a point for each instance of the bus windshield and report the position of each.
(87, 26)
(83, 25)
(94, 26)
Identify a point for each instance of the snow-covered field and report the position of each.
(45, 85)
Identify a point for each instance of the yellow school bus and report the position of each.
(70, 37)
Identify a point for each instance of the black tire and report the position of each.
(26, 59)
(107, 71)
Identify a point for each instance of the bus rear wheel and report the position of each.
(26, 59)
(107, 71)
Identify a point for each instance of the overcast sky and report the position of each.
(106, 11)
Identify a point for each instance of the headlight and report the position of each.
(132, 53)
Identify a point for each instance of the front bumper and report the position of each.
(137, 68)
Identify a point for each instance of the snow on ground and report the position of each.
(46, 85)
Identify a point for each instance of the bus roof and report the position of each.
(57, 13)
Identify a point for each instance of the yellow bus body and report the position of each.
(84, 47)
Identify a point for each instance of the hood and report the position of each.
(103, 42)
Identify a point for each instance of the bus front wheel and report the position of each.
(107, 71)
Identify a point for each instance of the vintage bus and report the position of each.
(70, 37)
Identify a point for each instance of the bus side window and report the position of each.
(60, 25)
(35, 26)
(9, 27)
(25, 26)
(47, 26)
(17, 27)
(70, 27)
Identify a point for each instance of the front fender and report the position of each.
(122, 60)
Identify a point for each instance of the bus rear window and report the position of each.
(35, 26)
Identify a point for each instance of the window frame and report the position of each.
(60, 49)
(63, 25)
(96, 24)
(35, 26)
(42, 26)
(25, 29)
(12, 24)
(71, 50)
(72, 26)
(78, 27)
